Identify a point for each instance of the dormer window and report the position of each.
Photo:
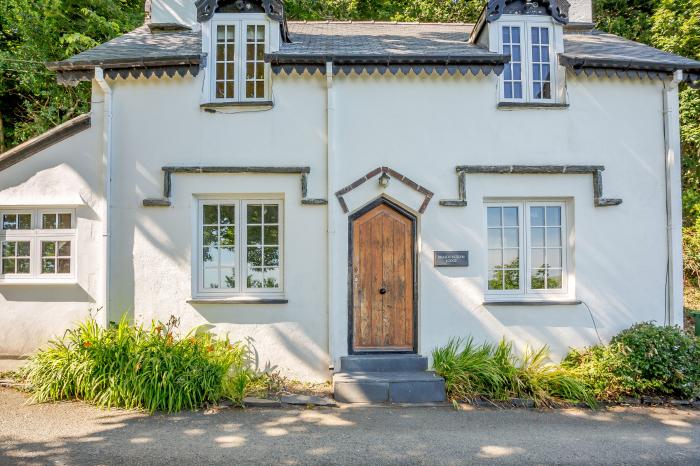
(529, 76)
(238, 52)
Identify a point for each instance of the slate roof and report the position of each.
(373, 42)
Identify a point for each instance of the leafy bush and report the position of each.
(494, 372)
(129, 366)
(645, 359)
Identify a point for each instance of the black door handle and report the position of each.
(382, 290)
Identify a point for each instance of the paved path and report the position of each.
(75, 433)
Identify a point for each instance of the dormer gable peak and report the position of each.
(557, 9)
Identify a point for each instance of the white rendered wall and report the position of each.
(158, 123)
(424, 126)
(68, 172)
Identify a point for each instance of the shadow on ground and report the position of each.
(75, 433)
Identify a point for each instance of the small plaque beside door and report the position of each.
(451, 259)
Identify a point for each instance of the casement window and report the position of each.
(527, 248)
(529, 76)
(37, 244)
(237, 56)
(240, 247)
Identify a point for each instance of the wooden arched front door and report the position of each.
(382, 279)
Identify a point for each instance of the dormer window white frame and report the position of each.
(532, 75)
(236, 44)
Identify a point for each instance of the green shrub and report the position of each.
(645, 359)
(494, 372)
(129, 366)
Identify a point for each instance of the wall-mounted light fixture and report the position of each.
(384, 180)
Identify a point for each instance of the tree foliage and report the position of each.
(33, 32)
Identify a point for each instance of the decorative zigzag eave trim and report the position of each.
(347, 70)
(73, 77)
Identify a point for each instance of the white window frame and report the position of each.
(241, 247)
(526, 24)
(35, 236)
(241, 21)
(525, 290)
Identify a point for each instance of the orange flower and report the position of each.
(210, 348)
(87, 344)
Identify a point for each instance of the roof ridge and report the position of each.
(408, 23)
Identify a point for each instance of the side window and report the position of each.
(240, 247)
(37, 244)
(239, 70)
(529, 76)
(527, 248)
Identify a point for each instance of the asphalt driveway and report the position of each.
(75, 433)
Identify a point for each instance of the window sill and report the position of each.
(238, 301)
(35, 281)
(254, 105)
(531, 105)
(525, 302)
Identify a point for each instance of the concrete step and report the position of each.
(384, 363)
(388, 387)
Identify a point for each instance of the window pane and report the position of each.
(250, 89)
(8, 248)
(254, 213)
(211, 216)
(9, 222)
(554, 236)
(271, 279)
(537, 279)
(48, 266)
(210, 236)
(210, 256)
(271, 257)
(64, 221)
(211, 278)
(8, 266)
(511, 259)
(537, 237)
(227, 236)
(63, 265)
(228, 256)
(23, 248)
(254, 257)
(64, 248)
(494, 216)
(228, 278)
(271, 214)
(495, 258)
(255, 235)
(271, 235)
(554, 279)
(255, 278)
(23, 265)
(220, 33)
(537, 257)
(495, 238)
(48, 248)
(510, 238)
(220, 90)
(25, 221)
(512, 279)
(537, 216)
(553, 216)
(48, 221)
(495, 280)
(554, 257)
(510, 216)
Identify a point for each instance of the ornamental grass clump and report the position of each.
(494, 372)
(643, 360)
(129, 366)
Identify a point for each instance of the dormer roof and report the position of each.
(557, 9)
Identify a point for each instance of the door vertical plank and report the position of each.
(401, 282)
(376, 279)
(360, 306)
(388, 278)
(408, 283)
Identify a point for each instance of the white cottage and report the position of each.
(355, 191)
